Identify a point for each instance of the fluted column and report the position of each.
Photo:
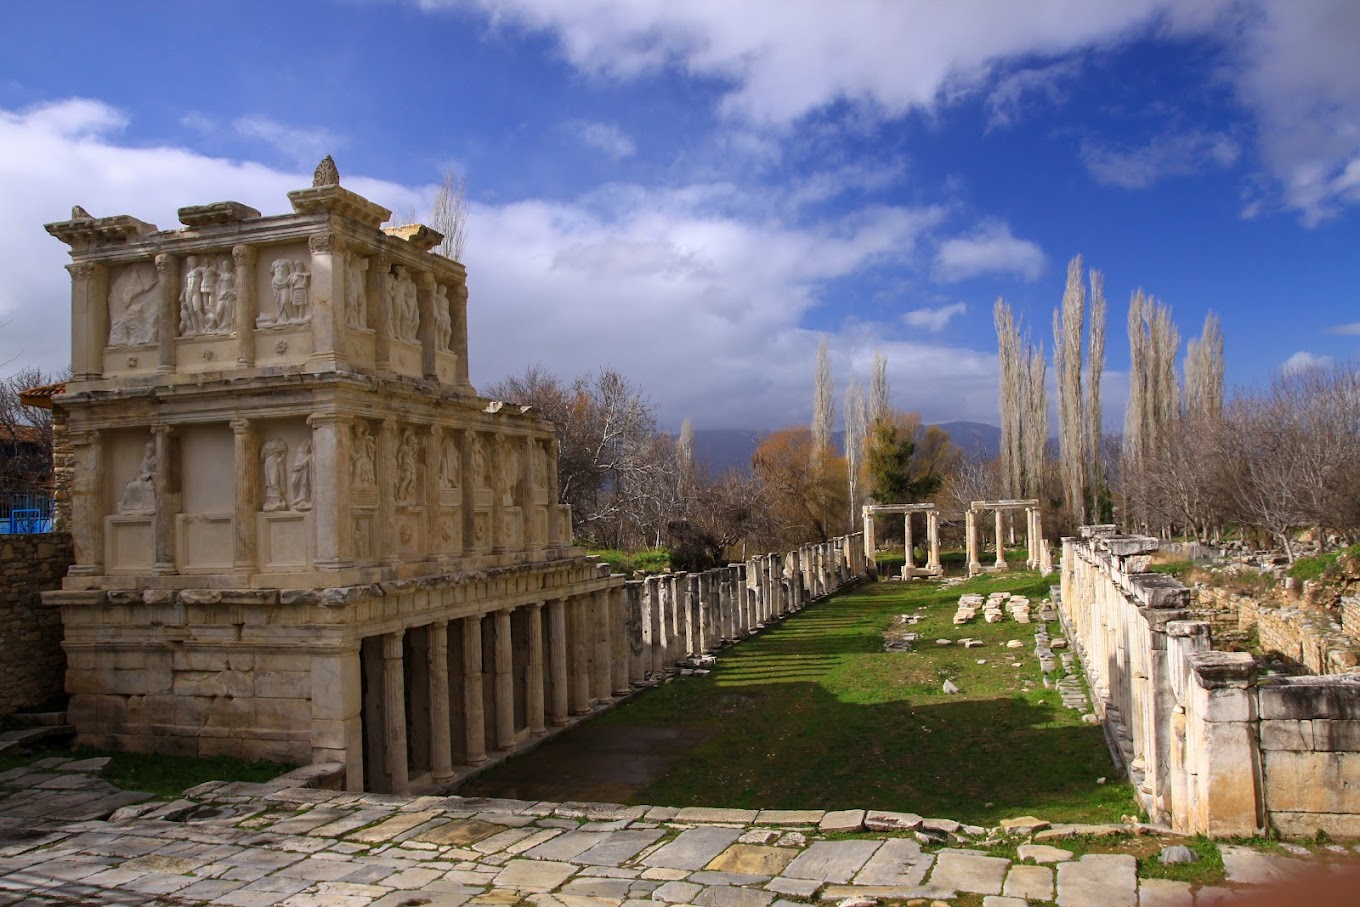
(619, 642)
(639, 639)
(167, 326)
(499, 480)
(579, 614)
(394, 713)
(380, 309)
(89, 318)
(970, 535)
(533, 704)
(166, 485)
(933, 537)
(654, 628)
(505, 682)
(603, 675)
(425, 302)
(557, 662)
(441, 723)
(327, 301)
(555, 539)
(434, 539)
(1000, 540)
(244, 258)
(474, 711)
(458, 314)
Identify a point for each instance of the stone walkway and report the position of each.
(254, 845)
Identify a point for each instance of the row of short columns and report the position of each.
(446, 693)
(1034, 557)
(684, 616)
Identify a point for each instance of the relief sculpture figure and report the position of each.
(365, 453)
(300, 478)
(207, 304)
(133, 306)
(443, 323)
(275, 458)
(407, 454)
(449, 465)
(290, 281)
(356, 309)
(478, 462)
(139, 494)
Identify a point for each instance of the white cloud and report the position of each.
(1293, 64)
(1352, 329)
(701, 305)
(1303, 360)
(1172, 154)
(605, 137)
(300, 145)
(933, 320)
(1006, 100)
(989, 249)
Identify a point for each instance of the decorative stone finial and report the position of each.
(326, 174)
(79, 213)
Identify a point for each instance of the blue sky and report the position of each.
(695, 191)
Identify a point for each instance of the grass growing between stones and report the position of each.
(164, 776)
(814, 713)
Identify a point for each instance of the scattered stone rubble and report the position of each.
(292, 844)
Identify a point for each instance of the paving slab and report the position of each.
(842, 820)
(883, 893)
(1252, 867)
(1098, 880)
(729, 896)
(900, 862)
(676, 892)
(533, 875)
(566, 846)
(597, 888)
(832, 861)
(459, 833)
(753, 859)
(1033, 883)
(799, 888)
(692, 849)
(1164, 893)
(996, 900)
(968, 872)
(618, 847)
(1042, 853)
(790, 816)
(709, 814)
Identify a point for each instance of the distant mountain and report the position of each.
(974, 438)
(723, 449)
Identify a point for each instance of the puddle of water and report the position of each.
(607, 765)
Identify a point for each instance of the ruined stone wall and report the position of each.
(1308, 636)
(1209, 747)
(32, 662)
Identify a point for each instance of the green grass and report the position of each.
(1181, 570)
(648, 560)
(164, 776)
(814, 713)
(1314, 568)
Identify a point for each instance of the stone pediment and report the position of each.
(216, 213)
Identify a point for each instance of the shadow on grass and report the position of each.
(815, 714)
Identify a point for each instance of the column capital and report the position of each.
(392, 644)
(160, 429)
(327, 417)
(325, 242)
(424, 279)
(165, 262)
(85, 270)
(240, 425)
(243, 254)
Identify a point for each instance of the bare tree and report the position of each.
(880, 405)
(448, 215)
(1154, 401)
(1204, 374)
(856, 428)
(1013, 386)
(25, 434)
(1095, 359)
(1067, 353)
(1034, 427)
(823, 406)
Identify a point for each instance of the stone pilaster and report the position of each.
(554, 539)
(394, 712)
(434, 541)
(243, 257)
(166, 484)
(441, 723)
(474, 711)
(425, 301)
(387, 491)
(89, 318)
(499, 480)
(87, 503)
(579, 608)
(458, 313)
(330, 490)
(327, 301)
(380, 310)
(167, 266)
(246, 437)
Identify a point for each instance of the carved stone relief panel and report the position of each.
(286, 483)
(403, 305)
(207, 299)
(443, 322)
(134, 305)
(356, 293)
(410, 469)
(363, 465)
(283, 285)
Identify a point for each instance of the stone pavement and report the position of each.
(253, 845)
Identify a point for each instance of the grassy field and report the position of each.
(814, 713)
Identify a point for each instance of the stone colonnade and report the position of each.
(1037, 556)
(1210, 747)
(441, 698)
(932, 566)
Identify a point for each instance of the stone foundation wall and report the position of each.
(1308, 636)
(1209, 747)
(32, 662)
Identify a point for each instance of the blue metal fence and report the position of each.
(25, 513)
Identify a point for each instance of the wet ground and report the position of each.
(607, 765)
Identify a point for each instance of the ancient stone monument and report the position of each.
(909, 569)
(1036, 557)
(299, 532)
